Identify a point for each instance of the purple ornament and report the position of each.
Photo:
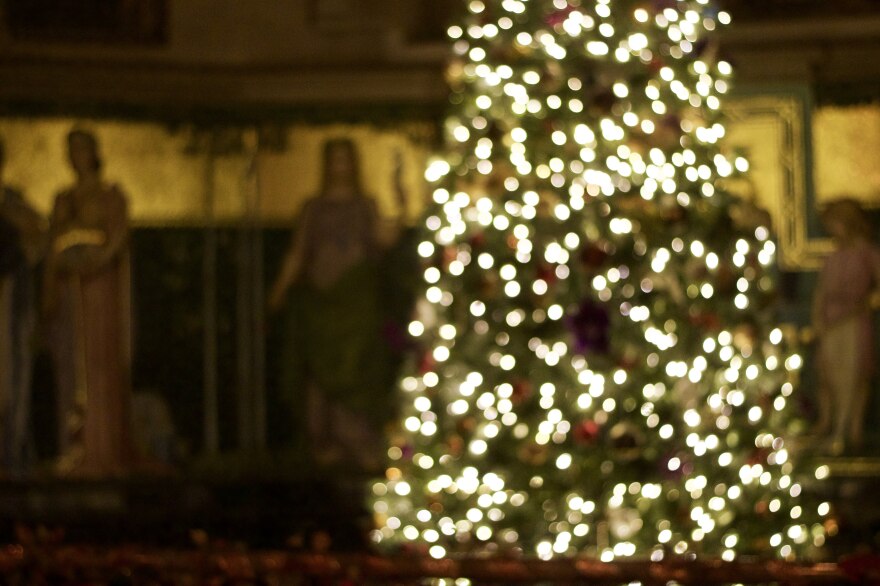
(590, 327)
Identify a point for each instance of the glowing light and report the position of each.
(597, 48)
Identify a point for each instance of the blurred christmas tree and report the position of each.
(600, 371)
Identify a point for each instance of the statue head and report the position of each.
(83, 151)
(844, 218)
(341, 162)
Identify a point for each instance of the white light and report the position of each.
(485, 261)
(437, 169)
(461, 133)
(793, 362)
(478, 447)
(755, 414)
(638, 41)
(597, 48)
(563, 462)
(459, 407)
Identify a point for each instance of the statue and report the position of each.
(87, 298)
(842, 319)
(21, 246)
(329, 283)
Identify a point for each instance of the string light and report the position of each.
(569, 327)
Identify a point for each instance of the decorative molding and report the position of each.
(853, 467)
(774, 132)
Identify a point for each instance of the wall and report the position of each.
(228, 52)
(283, 52)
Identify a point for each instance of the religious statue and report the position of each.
(22, 237)
(329, 282)
(87, 297)
(843, 321)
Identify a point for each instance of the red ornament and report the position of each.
(707, 321)
(559, 16)
(725, 279)
(759, 456)
(489, 285)
(604, 101)
(752, 260)
(532, 453)
(593, 256)
(455, 445)
(655, 65)
(450, 253)
(673, 214)
(427, 363)
(586, 432)
(522, 390)
(547, 273)
(478, 240)
(628, 361)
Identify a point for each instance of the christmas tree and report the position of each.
(598, 369)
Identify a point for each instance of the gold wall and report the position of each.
(170, 178)
(290, 177)
(846, 149)
(777, 133)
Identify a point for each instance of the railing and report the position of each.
(141, 566)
